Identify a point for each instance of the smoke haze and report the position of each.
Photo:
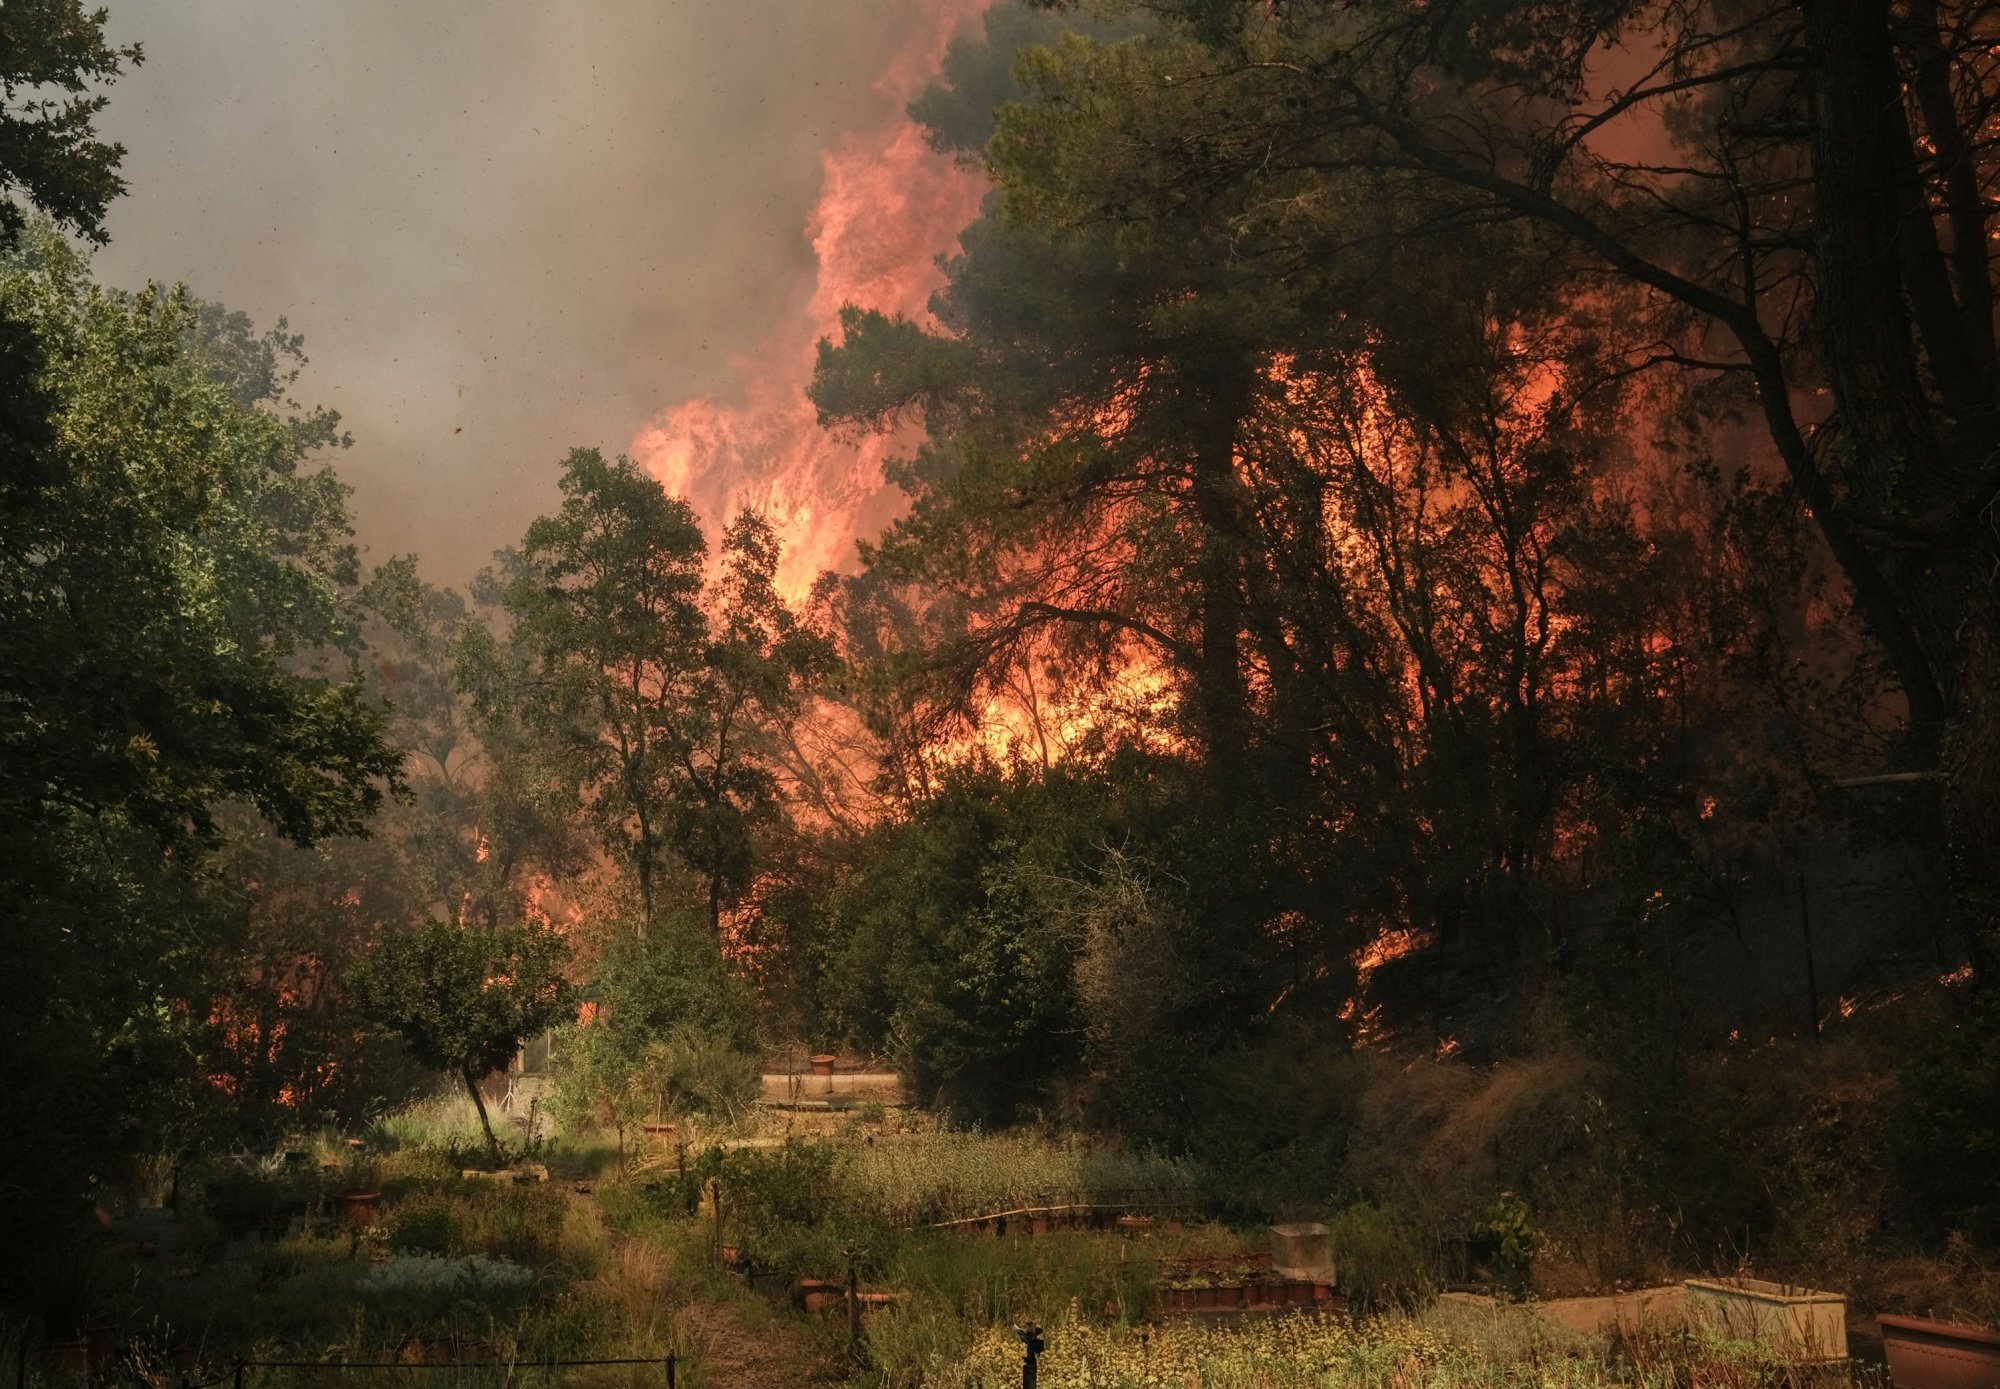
(504, 229)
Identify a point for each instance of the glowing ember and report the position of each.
(888, 208)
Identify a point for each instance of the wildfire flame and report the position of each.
(888, 208)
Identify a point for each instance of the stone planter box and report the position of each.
(1589, 1316)
(1927, 1354)
(1799, 1320)
(1304, 1251)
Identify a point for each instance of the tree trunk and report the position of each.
(645, 867)
(479, 1103)
(1220, 701)
(1900, 466)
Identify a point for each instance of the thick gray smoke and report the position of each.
(504, 228)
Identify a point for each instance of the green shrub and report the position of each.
(426, 1223)
(1381, 1257)
(1946, 1127)
(695, 1073)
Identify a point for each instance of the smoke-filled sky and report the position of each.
(503, 228)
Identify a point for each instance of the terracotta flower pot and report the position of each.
(816, 1296)
(1927, 1354)
(360, 1210)
(823, 1065)
(1322, 1292)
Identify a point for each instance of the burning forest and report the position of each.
(1369, 617)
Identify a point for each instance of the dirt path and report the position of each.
(736, 1347)
(735, 1355)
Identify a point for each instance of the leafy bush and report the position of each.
(690, 1072)
(425, 1223)
(1380, 1256)
(674, 981)
(1946, 1126)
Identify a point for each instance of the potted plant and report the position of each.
(1927, 1354)
(360, 1198)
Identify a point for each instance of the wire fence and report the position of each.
(239, 1373)
(240, 1369)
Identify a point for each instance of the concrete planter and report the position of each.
(1304, 1251)
(1783, 1315)
(1927, 1354)
(1626, 1312)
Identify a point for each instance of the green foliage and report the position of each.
(465, 999)
(54, 53)
(951, 1175)
(1508, 1225)
(689, 1072)
(948, 955)
(1380, 1257)
(673, 979)
(174, 566)
(606, 605)
(1945, 1123)
(656, 695)
(676, 1035)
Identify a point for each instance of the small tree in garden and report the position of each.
(464, 1000)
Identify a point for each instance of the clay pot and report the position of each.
(360, 1210)
(1928, 1354)
(823, 1065)
(816, 1296)
(1322, 1292)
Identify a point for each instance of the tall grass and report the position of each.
(950, 1175)
(1307, 1351)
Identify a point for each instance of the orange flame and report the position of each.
(888, 208)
